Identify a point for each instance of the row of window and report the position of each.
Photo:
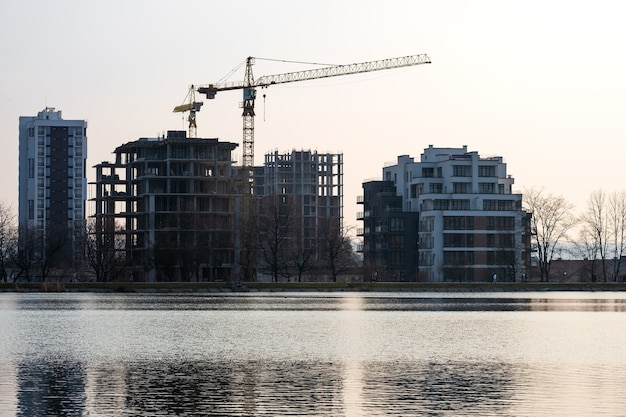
(73, 205)
(467, 223)
(460, 171)
(460, 204)
(465, 258)
(459, 188)
(45, 131)
(462, 240)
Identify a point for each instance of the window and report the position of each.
(31, 168)
(501, 223)
(396, 224)
(486, 171)
(454, 240)
(458, 258)
(435, 188)
(441, 205)
(458, 223)
(459, 205)
(461, 171)
(461, 187)
(498, 205)
(428, 172)
(486, 187)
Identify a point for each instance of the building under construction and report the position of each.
(165, 210)
(299, 197)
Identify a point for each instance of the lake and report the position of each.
(313, 354)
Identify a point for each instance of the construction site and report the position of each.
(178, 208)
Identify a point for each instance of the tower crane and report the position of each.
(249, 86)
(192, 106)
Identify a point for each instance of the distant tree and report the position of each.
(336, 248)
(275, 222)
(247, 243)
(300, 252)
(617, 232)
(551, 221)
(506, 257)
(53, 251)
(596, 221)
(586, 249)
(105, 256)
(8, 239)
(25, 257)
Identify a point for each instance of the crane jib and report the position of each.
(325, 72)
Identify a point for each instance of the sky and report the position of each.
(540, 83)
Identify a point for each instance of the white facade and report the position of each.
(469, 217)
(52, 174)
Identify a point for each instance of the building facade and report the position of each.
(389, 233)
(305, 191)
(166, 209)
(471, 225)
(53, 186)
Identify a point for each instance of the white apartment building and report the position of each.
(52, 180)
(471, 225)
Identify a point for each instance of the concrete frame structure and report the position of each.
(471, 225)
(170, 204)
(53, 182)
(311, 183)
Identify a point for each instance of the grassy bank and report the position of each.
(176, 287)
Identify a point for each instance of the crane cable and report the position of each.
(296, 62)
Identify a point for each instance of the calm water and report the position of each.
(313, 354)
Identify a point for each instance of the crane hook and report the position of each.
(263, 106)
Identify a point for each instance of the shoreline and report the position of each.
(204, 287)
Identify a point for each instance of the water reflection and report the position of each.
(263, 388)
(352, 389)
(50, 388)
(338, 355)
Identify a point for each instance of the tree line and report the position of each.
(596, 236)
(273, 244)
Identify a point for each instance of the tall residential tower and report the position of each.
(53, 184)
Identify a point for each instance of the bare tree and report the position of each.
(596, 221)
(617, 233)
(301, 253)
(550, 223)
(8, 239)
(586, 249)
(274, 228)
(25, 257)
(105, 257)
(53, 251)
(336, 248)
(248, 246)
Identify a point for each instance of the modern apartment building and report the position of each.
(167, 207)
(470, 225)
(307, 187)
(389, 233)
(53, 186)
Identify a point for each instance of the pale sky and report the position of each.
(541, 83)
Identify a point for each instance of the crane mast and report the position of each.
(249, 86)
